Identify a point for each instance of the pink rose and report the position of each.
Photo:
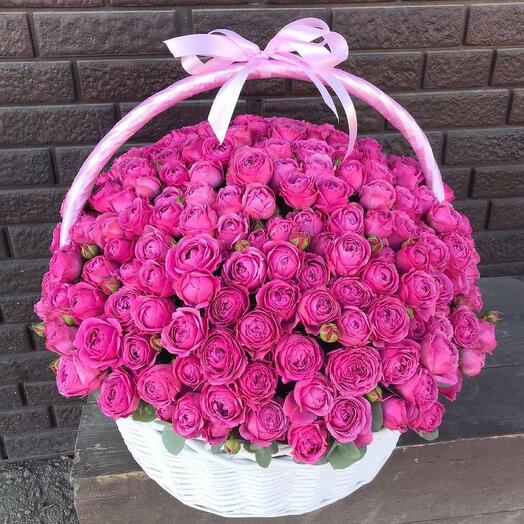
(279, 229)
(420, 291)
(283, 260)
(313, 272)
(152, 245)
(389, 320)
(221, 405)
(128, 272)
(288, 129)
(192, 253)
(333, 193)
(350, 420)
(486, 340)
(354, 371)
(215, 151)
(196, 288)
(407, 201)
(420, 389)
(406, 170)
(443, 218)
(246, 269)
(153, 279)
(198, 218)
(101, 199)
(258, 383)
(317, 307)
(228, 305)
(258, 201)
(264, 424)
(137, 352)
(471, 361)
(174, 173)
(221, 358)
(258, 238)
(440, 356)
(281, 169)
(465, 327)
(119, 305)
(349, 217)
(437, 250)
(98, 342)
(460, 253)
(298, 190)
(151, 314)
(381, 277)
(157, 385)
(215, 433)
(412, 256)
(428, 418)
(188, 371)
(73, 379)
(231, 228)
(321, 243)
(297, 357)
(199, 193)
(80, 229)
(119, 249)
(425, 197)
(377, 194)
(308, 221)
(135, 218)
(354, 327)
(85, 301)
(309, 442)
(105, 229)
(66, 264)
(303, 149)
(187, 418)
(396, 414)
(248, 165)
(207, 171)
(100, 272)
(279, 298)
(60, 337)
(379, 223)
(348, 254)
(228, 200)
(166, 214)
(277, 148)
(352, 172)
(404, 229)
(318, 166)
(314, 395)
(257, 331)
(352, 291)
(400, 361)
(118, 396)
(185, 332)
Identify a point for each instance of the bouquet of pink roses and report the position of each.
(267, 290)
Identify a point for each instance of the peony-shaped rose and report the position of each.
(400, 361)
(137, 352)
(353, 326)
(185, 332)
(158, 385)
(309, 442)
(257, 331)
(258, 383)
(98, 342)
(350, 420)
(297, 357)
(186, 417)
(118, 395)
(317, 307)
(264, 424)
(151, 314)
(73, 379)
(348, 254)
(246, 269)
(249, 165)
(222, 406)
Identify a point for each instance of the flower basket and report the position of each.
(264, 306)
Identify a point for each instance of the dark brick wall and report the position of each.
(70, 68)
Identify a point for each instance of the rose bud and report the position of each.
(231, 446)
(375, 395)
(492, 317)
(89, 251)
(299, 239)
(329, 332)
(38, 329)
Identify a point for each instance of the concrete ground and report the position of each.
(37, 492)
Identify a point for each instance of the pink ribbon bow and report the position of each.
(307, 44)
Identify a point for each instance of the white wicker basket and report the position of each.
(237, 486)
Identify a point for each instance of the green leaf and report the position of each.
(339, 460)
(144, 413)
(250, 448)
(428, 436)
(173, 442)
(377, 418)
(263, 457)
(274, 448)
(350, 451)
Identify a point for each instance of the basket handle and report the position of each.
(391, 110)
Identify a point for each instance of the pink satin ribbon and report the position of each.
(308, 44)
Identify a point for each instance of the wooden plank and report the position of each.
(448, 480)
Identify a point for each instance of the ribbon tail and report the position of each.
(225, 102)
(328, 100)
(348, 106)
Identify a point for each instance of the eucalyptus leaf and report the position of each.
(429, 436)
(338, 460)
(263, 457)
(331, 448)
(173, 442)
(250, 448)
(377, 417)
(350, 451)
(144, 413)
(274, 448)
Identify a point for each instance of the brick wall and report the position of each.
(69, 69)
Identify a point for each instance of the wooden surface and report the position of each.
(474, 473)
